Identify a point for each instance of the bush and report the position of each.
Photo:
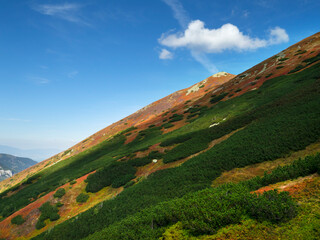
(59, 193)
(59, 204)
(40, 224)
(73, 182)
(129, 184)
(272, 206)
(82, 198)
(47, 212)
(167, 125)
(269, 75)
(139, 162)
(175, 118)
(122, 180)
(114, 174)
(215, 99)
(18, 220)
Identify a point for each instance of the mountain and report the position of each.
(10, 165)
(36, 154)
(231, 157)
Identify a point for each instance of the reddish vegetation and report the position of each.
(294, 187)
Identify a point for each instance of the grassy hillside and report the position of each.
(146, 199)
(282, 116)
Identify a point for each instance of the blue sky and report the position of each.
(69, 69)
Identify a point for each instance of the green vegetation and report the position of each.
(299, 52)
(307, 62)
(147, 134)
(130, 129)
(73, 182)
(59, 193)
(59, 204)
(82, 198)
(279, 67)
(238, 90)
(283, 59)
(206, 211)
(167, 125)
(283, 116)
(269, 75)
(18, 220)
(116, 174)
(215, 99)
(297, 68)
(48, 211)
(175, 118)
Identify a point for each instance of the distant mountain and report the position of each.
(10, 165)
(36, 154)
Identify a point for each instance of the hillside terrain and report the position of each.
(231, 157)
(10, 165)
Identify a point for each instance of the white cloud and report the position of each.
(278, 35)
(40, 80)
(179, 13)
(66, 11)
(200, 39)
(165, 54)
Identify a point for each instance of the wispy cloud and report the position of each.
(15, 119)
(179, 12)
(165, 54)
(66, 11)
(39, 80)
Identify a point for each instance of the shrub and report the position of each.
(139, 162)
(116, 173)
(59, 193)
(175, 118)
(297, 68)
(269, 75)
(129, 184)
(215, 99)
(59, 204)
(82, 198)
(272, 206)
(73, 182)
(18, 220)
(47, 212)
(283, 59)
(167, 125)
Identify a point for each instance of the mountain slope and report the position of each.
(145, 174)
(12, 165)
(139, 119)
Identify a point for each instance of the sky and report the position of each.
(71, 68)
